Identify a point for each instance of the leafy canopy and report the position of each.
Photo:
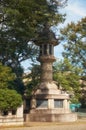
(33, 79)
(67, 77)
(74, 36)
(20, 22)
(7, 77)
(9, 100)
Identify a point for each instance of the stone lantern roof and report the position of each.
(46, 36)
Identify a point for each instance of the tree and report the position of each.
(68, 78)
(20, 21)
(33, 79)
(9, 100)
(9, 80)
(74, 36)
(7, 77)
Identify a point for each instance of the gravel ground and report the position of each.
(51, 126)
(66, 127)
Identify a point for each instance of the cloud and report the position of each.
(75, 11)
(76, 8)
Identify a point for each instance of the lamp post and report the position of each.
(48, 102)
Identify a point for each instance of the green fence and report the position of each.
(75, 107)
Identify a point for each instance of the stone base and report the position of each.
(50, 105)
(52, 117)
(11, 121)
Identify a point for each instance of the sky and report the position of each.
(75, 10)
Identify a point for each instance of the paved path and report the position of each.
(51, 126)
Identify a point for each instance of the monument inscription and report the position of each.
(42, 103)
(58, 103)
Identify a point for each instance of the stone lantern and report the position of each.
(49, 103)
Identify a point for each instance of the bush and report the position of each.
(9, 100)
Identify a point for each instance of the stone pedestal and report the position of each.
(51, 104)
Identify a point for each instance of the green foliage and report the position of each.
(83, 99)
(34, 77)
(20, 22)
(68, 78)
(74, 36)
(7, 77)
(9, 100)
(9, 80)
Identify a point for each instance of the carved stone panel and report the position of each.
(42, 103)
(58, 103)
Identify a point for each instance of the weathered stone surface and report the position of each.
(10, 120)
(51, 103)
(50, 117)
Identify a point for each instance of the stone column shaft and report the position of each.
(66, 104)
(50, 103)
(46, 74)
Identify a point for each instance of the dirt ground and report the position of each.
(78, 125)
